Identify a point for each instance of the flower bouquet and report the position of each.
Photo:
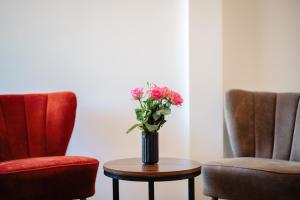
(155, 104)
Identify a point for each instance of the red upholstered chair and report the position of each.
(35, 130)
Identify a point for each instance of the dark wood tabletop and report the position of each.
(165, 167)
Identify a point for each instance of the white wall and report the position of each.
(241, 40)
(262, 45)
(206, 78)
(280, 50)
(100, 50)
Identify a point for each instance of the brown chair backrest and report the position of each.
(263, 124)
(33, 125)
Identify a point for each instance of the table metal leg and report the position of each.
(191, 189)
(115, 189)
(151, 190)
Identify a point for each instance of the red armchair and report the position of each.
(35, 130)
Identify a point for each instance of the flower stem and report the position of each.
(141, 104)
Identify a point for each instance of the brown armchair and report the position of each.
(264, 134)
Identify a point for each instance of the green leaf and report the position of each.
(141, 114)
(164, 111)
(151, 127)
(168, 104)
(133, 127)
(156, 116)
(138, 112)
(162, 122)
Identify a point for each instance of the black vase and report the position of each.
(150, 148)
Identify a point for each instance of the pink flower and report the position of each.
(165, 92)
(155, 92)
(137, 93)
(176, 99)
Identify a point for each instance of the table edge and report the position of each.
(154, 174)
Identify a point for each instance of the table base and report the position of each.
(191, 189)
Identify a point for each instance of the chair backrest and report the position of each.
(263, 124)
(33, 125)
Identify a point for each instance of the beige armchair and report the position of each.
(264, 134)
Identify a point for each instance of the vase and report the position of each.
(150, 148)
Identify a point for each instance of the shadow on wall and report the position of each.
(227, 152)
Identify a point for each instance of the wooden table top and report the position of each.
(165, 167)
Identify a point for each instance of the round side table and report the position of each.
(167, 169)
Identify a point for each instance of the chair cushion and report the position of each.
(57, 177)
(252, 179)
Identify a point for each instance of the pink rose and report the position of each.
(137, 93)
(165, 92)
(176, 99)
(155, 92)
